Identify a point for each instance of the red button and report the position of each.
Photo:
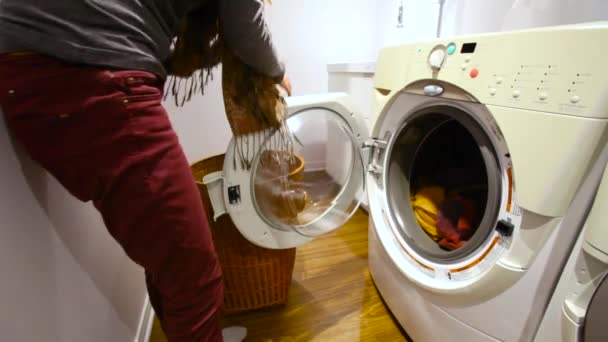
(474, 73)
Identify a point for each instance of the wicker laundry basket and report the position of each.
(254, 277)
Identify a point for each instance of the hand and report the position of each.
(286, 84)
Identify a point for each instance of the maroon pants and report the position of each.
(106, 137)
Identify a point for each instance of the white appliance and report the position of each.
(525, 90)
(511, 121)
(579, 306)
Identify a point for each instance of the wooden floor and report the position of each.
(332, 297)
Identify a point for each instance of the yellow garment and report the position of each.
(426, 207)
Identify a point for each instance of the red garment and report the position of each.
(106, 137)
(455, 222)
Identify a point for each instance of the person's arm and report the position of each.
(247, 34)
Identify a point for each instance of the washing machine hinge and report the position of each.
(376, 152)
(375, 169)
(374, 143)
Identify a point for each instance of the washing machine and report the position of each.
(531, 106)
(481, 147)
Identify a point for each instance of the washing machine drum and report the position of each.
(443, 184)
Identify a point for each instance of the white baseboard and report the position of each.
(145, 323)
(315, 165)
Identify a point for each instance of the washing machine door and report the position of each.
(278, 208)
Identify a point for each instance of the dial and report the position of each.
(437, 57)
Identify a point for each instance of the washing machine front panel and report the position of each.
(419, 132)
(419, 316)
(550, 105)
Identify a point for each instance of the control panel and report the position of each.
(552, 70)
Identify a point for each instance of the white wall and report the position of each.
(201, 124)
(311, 34)
(419, 21)
(478, 16)
(62, 277)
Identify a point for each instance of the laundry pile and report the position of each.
(449, 216)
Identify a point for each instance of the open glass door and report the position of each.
(325, 183)
(321, 191)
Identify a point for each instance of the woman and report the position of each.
(81, 85)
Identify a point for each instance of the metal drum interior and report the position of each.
(443, 183)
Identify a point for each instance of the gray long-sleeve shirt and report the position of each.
(128, 34)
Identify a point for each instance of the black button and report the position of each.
(505, 228)
(234, 194)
